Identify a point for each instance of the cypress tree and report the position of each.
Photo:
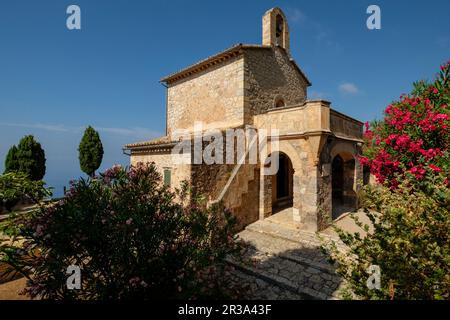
(90, 151)
(31, 158)
(11, 163)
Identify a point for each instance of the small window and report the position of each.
(279, 103)
(167, 177)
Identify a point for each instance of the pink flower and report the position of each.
(435, 168)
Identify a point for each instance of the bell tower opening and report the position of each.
(279, 30)
(275, 29)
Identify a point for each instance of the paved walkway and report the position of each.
(284, 262)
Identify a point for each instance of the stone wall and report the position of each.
(270, 75)
(344, 126)
(212, 96)
(248, 212)
(242, 196)
(179, 173)
(305, 182)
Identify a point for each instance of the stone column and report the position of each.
(265, 195)
(306, 191)
(297, 204)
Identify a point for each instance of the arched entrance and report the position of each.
(342, 184)
(282, 184)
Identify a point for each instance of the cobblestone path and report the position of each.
(285, 263)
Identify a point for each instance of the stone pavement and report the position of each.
(283, 262)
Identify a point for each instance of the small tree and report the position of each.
(11, 163)
(31, 158)
(90, 151)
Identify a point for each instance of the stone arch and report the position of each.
(287, 148)
(279, 102)
(347, 149)
(343, 179)
(266, 191)
(282, 183)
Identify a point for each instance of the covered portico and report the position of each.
(318, 168)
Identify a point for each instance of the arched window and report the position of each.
(279, 26)
(279, 103)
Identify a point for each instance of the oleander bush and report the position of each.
(409, 242)
(409, 210)
(132, 238)
(414, 134)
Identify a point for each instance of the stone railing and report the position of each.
(312, 116)
(345, 126)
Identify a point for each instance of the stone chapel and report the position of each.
(260, 86)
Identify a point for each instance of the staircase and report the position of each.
(238, 186)
(282, 262)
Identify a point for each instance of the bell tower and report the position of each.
(275, 29)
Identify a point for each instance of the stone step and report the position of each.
(292, 234)
(297, 266)
(260, 289)
(239, 186)
(290, 276)
(304, 253)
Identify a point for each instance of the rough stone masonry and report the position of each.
(262, 87)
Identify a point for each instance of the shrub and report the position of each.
(409, 242)
(16, 185)
(414, 135)
(131, 237)
(90, 151)
(408, 152)
(31, 158)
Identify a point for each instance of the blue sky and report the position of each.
(54, 82)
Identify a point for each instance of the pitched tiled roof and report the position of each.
(218, 58)
(153, 142)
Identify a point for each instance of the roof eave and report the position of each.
(204, 64)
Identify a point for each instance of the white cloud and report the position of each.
(296, 16)
(348, 88)
(48, 127)
(136, 132)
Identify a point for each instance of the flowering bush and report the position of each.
(414, 136)
(131, 237)
(409, 242)
(409, 210)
